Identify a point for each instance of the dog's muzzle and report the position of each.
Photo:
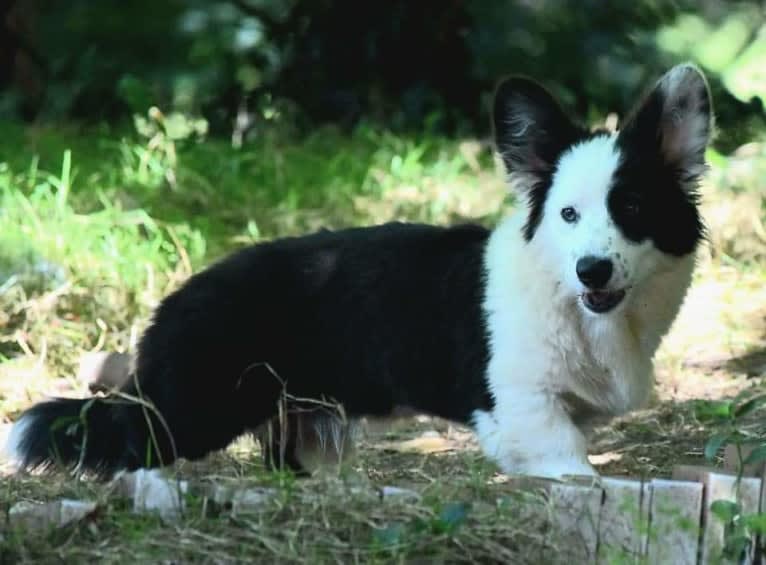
(602, 301)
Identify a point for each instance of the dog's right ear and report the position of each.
(531, 130)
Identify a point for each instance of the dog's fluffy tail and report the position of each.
(100, 434)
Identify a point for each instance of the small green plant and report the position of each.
(393, 538)
(163, 133)
(729, 416)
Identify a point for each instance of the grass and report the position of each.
(96, 226)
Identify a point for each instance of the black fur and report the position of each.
(652, 196)
(373, 318)
(532, 153)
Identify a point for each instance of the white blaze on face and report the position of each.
(584, 175)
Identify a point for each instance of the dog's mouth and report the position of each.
(602, 301)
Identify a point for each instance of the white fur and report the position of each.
(19, 431)
(324, 441)
(686, 129)
(519, 123)
(555, 367)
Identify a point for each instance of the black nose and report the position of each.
(594, 272)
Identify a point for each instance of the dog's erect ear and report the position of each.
(676, 120)
(531, 130)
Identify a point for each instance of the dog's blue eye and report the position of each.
(569, 214)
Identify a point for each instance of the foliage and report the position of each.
(243, 63)
(730, 415)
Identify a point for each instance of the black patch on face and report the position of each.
(652, 198)
(531, 133)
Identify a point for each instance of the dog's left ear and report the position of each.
(676, 119)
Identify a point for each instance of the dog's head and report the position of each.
(607, 211)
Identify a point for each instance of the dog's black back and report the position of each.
(372, 318)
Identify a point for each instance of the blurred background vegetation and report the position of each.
(420, 65)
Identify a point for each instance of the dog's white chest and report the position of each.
(599, 366)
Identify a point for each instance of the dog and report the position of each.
(529, 333)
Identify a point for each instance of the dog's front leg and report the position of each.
(531, 433)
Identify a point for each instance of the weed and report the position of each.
(731, 416)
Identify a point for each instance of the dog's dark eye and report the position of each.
(569, 214)
(632, 207)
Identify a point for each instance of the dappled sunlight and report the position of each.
(723, 317)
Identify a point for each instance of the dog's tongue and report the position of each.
(600, 296)
(601, 301)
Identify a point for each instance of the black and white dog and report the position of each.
(527, 333)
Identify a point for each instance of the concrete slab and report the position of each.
(151, 491)
(721, 486)
(624, 520)
(44, 516)
(675, 515)
(576, 511)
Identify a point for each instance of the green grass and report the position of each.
(280, 184)
(97, 225)
(93, 236)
